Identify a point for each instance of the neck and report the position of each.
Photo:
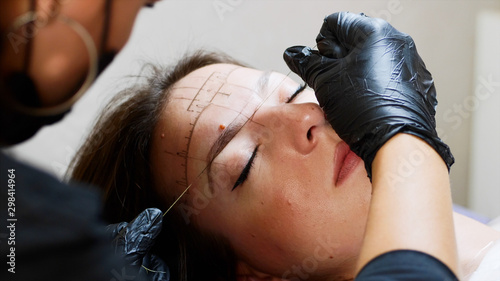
(473, 240)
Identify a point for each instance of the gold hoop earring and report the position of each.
(31, 17)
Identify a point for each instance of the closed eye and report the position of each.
(246, 171)
(296, 93)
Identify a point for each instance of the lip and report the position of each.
(345, 163)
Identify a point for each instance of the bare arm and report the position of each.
(411, 205)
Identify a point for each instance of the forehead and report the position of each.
(201, 105)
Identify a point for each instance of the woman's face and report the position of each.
(268, 173)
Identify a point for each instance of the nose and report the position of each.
(296, 124)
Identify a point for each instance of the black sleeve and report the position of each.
(405, 265)
(51, 230)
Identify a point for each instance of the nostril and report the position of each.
(309, 135)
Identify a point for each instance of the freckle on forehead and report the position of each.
(220, 88)
(197, 92)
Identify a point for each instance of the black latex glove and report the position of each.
(371, 83)
(134, 241)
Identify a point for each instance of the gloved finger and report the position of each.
(138, 237)
(305, 62)
(342, 32)
(331, 47)
(155, 268)
(424, 83)
(112, 230)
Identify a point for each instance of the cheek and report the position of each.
(302, 209)
(121, 26)
(275, 209)
(264, 233)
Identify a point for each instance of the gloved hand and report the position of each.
(134, 240)
(371, 83)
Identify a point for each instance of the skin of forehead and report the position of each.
(175, 123)
(236, 104)
(231, 101)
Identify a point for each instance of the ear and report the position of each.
(246, 272)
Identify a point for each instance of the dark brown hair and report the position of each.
(116, 158)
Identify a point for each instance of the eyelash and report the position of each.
(297, 92)
(246, 171)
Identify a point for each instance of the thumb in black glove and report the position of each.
(134, 241)
(371, 83)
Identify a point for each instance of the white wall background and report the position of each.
(484, 194)
(452, 38)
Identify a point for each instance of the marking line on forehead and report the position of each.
(197, 107)
(210, 163)
(263, 85)
(234, 127)
(225, 137)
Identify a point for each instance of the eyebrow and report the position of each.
(263, 82)
(234, 127)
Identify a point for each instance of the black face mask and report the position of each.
(104, 60)
(106, 57)
(18, 126)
